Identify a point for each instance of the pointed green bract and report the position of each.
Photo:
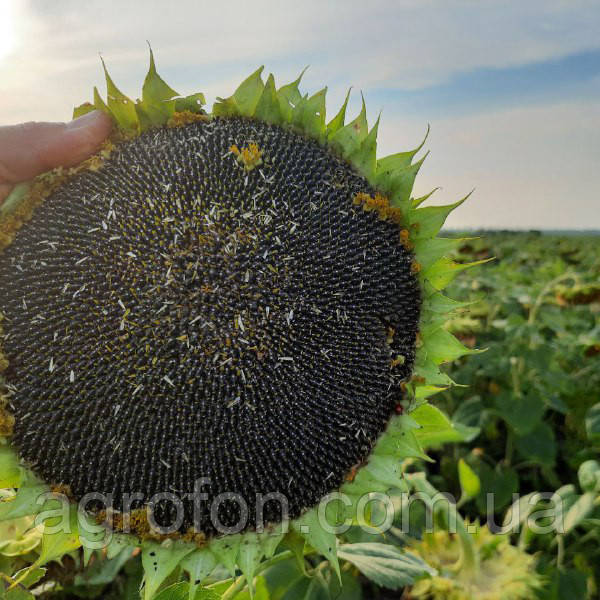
(25, 503)
(226, 549)
(159, 561)
(324, 542)
(268, 108)
(338, 121)
(157, 105)
(199, 564)
(121, 107)
(288, 97)
(244, 99)
(347, 139)
(10, 471)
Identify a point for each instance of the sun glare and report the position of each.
(7, 27)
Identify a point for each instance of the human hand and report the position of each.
(28, 149)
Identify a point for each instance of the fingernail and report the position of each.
(86, 120)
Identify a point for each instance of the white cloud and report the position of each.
(529, 165)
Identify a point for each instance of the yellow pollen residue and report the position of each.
(405, 239)
(185, 117)
(7, 421)
(136, 521)
(381, 205)
(415, 267)
(250, 156)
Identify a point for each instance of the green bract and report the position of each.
(392, 177)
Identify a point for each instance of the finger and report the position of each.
(5, 190)
(31, 148)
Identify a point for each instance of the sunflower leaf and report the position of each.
(83, 109)
(159, 562)
(226, 549)
(338, 121)
(121, 108)
(348, 139)
(199, 564)
(10, 471)
(157, 106)
(26, 501)
(385, 564)
(268, 108)
(288, 97)
(192, 103)
(56, 544)
(244, 99)
(324, 542)
(364, 159)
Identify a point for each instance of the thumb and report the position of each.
(29, 149)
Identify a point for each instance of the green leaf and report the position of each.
(418, 201)
(348, 139)
(429, 219)
(581, 509)
(102, 571)
(401, 186)
(393, 169)
(338, 121)
(25, 502)
(10, 471)
(436, 428)
(99, 102)
(387, 469)
(539, 444)
(322, 541)
(83, 109)
(118, 543)
(469, 482)
(55, 544)
(469, 413)
(441, 346)
(592, 422)
(289, 97)
(157, 106)
(226, 549)
(385, 564)
(193, 103)
(244, 99)
(399, 440)
(364, 159)
(523, 413)
(267, 108)
(180, 591)
(310, 114)
(120, 106)
(443, 271)
(429, 251)
(249, 557)
(28, 577)
(199, 564)
(502, 482)
(566, 584)
(159, 562)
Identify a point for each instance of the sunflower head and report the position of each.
(504, 571)
(218, 320)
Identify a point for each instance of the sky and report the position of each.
(510, 89)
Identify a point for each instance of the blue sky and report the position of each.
(511, 89)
